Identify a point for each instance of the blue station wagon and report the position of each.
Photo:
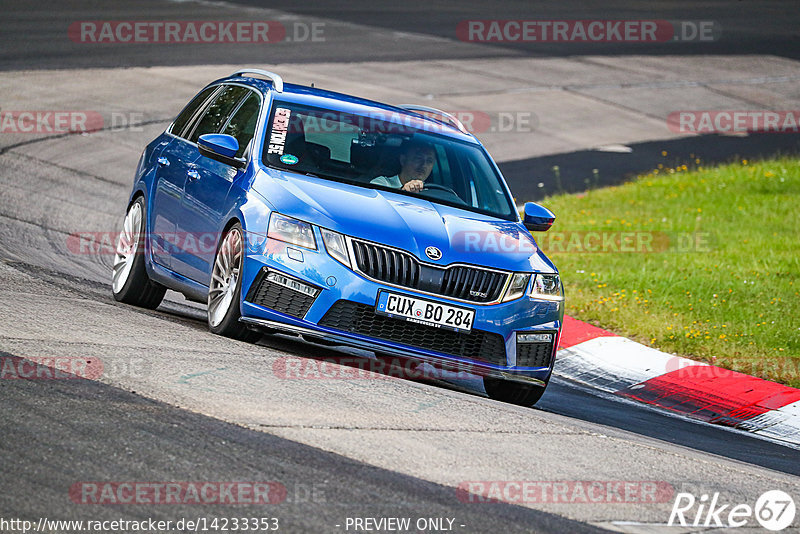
(346, 221)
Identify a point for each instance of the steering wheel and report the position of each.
(439, 187)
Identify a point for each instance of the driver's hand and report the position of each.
(414, 186)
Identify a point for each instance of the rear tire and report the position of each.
(129, 281)
(512, 392)
(225, 289)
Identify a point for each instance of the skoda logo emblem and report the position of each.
(433, 253)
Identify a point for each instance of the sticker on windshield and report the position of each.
(277, 137)
(289, 159)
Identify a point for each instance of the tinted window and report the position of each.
(383, 150)
(243, 123)
(188, 112)
(217, 113)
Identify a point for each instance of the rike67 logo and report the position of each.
(774, 510)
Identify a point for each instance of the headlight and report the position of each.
(336, 246)
(519, 281)
(547, 287)
(291, 230)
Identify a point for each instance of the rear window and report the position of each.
(218, 112)
(185, 116)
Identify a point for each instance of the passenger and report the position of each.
(416, 163)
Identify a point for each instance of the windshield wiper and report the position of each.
(305, 173)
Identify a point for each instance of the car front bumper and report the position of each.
(330, 302)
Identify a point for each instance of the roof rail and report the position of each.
(277, 81)
(443, 116)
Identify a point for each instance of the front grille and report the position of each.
(362, 319)
(278, 297)
(402, 269)
(386, 264)
(534, 354)
(468, 283)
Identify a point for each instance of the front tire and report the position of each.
(512, 392)
(224, 292)
(129, 281)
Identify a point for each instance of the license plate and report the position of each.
(425, 312)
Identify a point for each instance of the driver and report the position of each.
(416, 162)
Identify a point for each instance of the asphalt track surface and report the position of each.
(178, 404)
(32, 37)
(366, 30)
(82, 440)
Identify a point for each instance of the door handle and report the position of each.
(193, 175)
(163, 162)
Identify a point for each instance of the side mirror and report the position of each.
(222, 148)
(537, 218)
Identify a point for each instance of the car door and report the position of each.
(205, 190)
(171, 168)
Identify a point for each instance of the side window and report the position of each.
(189, 111)
(217, 113)
(243, 123)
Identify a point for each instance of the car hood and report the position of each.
(403, 222)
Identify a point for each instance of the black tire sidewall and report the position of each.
(513, 392)
(230, 325)
(138, 288)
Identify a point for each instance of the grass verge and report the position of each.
(701, 262)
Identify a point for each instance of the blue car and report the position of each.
(296, 210)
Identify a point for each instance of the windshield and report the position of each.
(385, 152)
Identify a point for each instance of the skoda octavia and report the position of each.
(292, 209)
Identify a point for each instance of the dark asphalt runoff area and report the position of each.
(58, 433)
(32, 36)
(31, 33)
(535, 178)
